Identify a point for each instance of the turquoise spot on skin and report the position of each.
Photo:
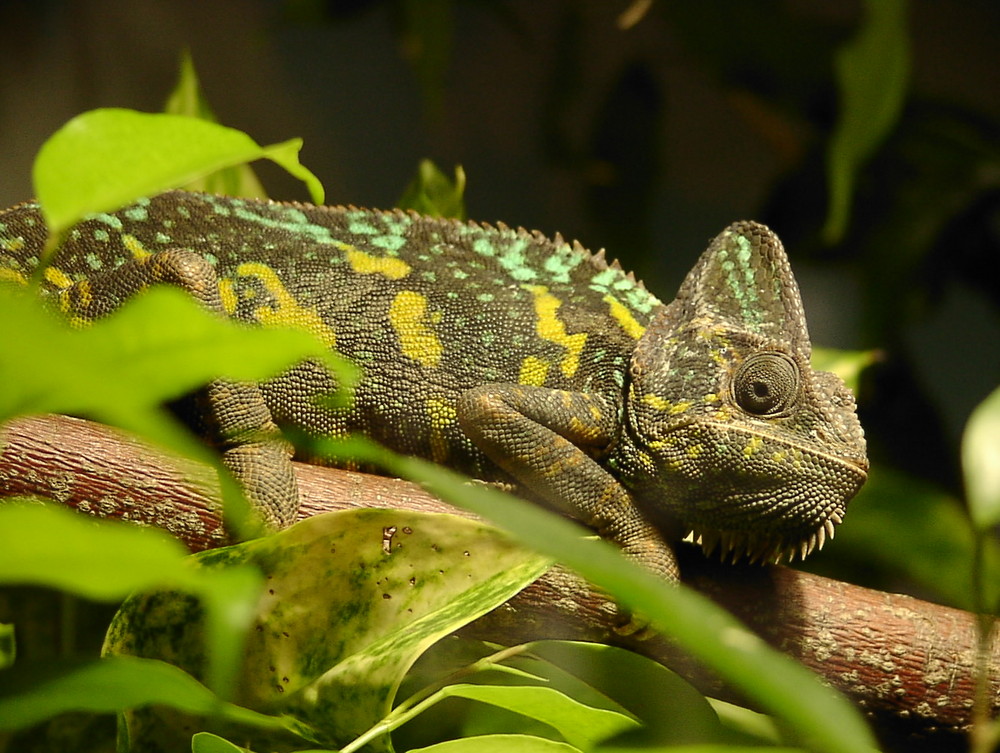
(93, 261)
(391, 243)
(361, 227)
(110, 220)
(183, 212)
(162, 238)
(102, 236)
(459, 274)
(292, 221)
(483, 247)
(745, 290)
(137, 213)
(429, 275)
(485, 297)
(561, 263)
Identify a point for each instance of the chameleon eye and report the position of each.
(766, 384)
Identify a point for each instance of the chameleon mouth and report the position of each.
(733, 546)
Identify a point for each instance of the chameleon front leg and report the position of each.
(544, 438)
(234, 413)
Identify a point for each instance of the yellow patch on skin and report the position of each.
(533, 371)
(695, 450)
(57, 277)
(645, 460)
(624, 317)
(665, 406)
(9, 275)
(134, 247)
(228, 296)
(287, 312)
(779, 457)
(442, 415)
(582, 431)
(656, 402)
(753, 446)
(550, 328)
(366, 264)
(407, 314)
(712, 397)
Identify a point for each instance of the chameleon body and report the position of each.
(507, 355)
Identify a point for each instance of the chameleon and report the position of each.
(513, 357)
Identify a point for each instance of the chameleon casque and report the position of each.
(504, 354)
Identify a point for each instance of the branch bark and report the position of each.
(907, 663)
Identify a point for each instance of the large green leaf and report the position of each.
(352, 600)
(104, 159)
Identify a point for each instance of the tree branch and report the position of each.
(907, 663)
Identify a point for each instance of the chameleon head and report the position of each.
(730, 436)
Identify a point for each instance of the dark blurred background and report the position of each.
(646, 140)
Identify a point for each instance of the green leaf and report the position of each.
(104, 560)
(707, 748)
(353, 598)
(34, 692)
(499, 744)
(981, 462)
(770, 679)
(188, 99)
(104, 159)
(581, 725)
(872, 74)
(434, 194)
(206, 742)
(158, 346)
(617, 679)
(8, 645)
(847, 364)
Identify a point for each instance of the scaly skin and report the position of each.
(506, 355)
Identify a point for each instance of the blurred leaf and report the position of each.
(353, 598)
(499, 744)
(188, 99)
(616, 679)
(905, 525)
(37, 691)
(105, 560)
(103, 159)
(8, 645)
(433, 193)
(981, 462)
(581, 725)
(428, 28)
(873, 75)
(158, 346)
(206, 742)
(847, 364)
(771, 680)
